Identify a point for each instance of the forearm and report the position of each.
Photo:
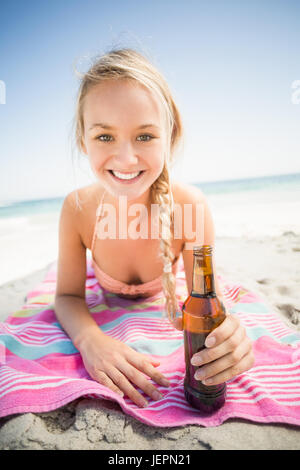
(73, 315)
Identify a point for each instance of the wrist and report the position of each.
(84, 337)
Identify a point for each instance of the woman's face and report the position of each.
(124, 132)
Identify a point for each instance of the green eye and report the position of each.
(106, 137)
(147, 135)
(103, 135)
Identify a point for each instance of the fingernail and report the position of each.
(207, 381)
(165, 382)
(157, 396)
(120, 393)
(210, 341)
(199, 374)
(196, 361)
(143, 403)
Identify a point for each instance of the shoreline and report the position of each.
(267, 265)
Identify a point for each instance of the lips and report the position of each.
(125, 174)
(128, 180)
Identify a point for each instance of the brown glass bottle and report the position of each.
(201, 313)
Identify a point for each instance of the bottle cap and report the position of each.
(203, 249)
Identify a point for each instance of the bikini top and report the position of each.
(146, 289)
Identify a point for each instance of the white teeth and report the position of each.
(125, 176)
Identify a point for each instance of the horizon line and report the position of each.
(13, 201)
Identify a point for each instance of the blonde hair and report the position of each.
(126, 63)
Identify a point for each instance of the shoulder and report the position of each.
(197, 218)
(184, 193)
(79, 207)
(81, 199)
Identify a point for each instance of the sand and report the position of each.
(268, 265)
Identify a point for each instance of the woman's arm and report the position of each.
(228, 350)
(203, 229)
(107, 360)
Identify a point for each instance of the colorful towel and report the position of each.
(41, 370)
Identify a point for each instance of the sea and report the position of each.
(252, 207)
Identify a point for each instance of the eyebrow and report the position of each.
(107, 126)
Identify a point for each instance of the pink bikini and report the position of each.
(146, 289)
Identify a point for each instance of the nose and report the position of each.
(125, 158)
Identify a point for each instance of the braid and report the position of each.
(126, 63)
(162, 195)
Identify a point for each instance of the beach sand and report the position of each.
(269, 266)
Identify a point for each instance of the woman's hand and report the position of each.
(228, 353)
(117, 366)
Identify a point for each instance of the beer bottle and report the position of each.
(202, 312)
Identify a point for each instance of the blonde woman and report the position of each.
(128, 126)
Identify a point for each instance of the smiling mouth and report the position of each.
(126, 176)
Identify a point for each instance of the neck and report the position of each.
(142, 199)
(122, 202)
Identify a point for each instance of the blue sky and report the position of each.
(230, 66)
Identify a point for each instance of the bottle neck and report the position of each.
(203, 273)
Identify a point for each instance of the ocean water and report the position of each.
(286, 187)
(254, 207)
(9, 209)
(267, 206)
(286, 183)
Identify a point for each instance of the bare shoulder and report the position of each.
(200, 216)
(73, 226)
(184, 193)
(81, 205)
(81, 199)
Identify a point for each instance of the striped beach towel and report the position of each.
(41, 370)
